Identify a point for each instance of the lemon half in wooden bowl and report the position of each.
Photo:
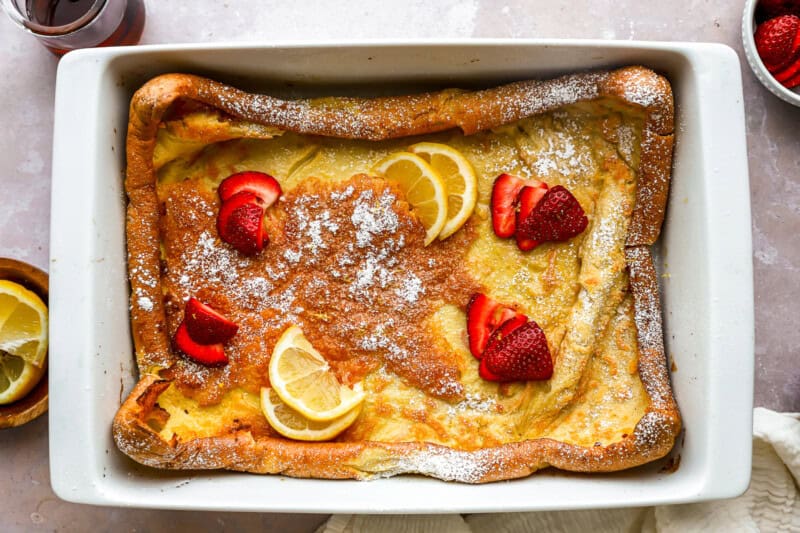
(23, 342)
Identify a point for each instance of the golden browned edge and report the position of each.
(377, 119)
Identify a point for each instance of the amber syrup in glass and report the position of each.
(61, 12)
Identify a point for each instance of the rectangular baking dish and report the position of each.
(704, 256)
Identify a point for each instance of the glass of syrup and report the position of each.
(64, 25)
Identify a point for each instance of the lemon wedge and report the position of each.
(303, 380)
(293, 425)
(423, 187)
(459, 179)
(23, 340)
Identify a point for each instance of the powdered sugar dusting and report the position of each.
(448, 464)
(645, 94)
(473, 402)
(144, 303)
(650, 430)
(371, 268)
(410, 289)
(647, 315)
(147, 283)
(542, 97)
(371, 218)
(353, 250)
(556, 147)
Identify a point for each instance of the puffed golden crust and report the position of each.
(134, 427)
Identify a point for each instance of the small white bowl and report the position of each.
(761, 72)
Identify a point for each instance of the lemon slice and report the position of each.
(424, 189)
(304, 381)
(23, 323)
(459, 179)
(293, 425)
(17, 377)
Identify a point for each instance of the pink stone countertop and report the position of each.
(27, 78)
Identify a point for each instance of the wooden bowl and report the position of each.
(35, 402)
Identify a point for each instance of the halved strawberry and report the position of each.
(265, 187)
(207, 326)
(792, 82)
(487, 374)
(786, 75)
(522, 355)
(557, 217)
(777, 41)
(504, 198)
(505, 329)
(528, 198)
(484, 317)
(240, 223)
(205, 354)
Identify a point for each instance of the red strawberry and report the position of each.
(792, 82)
(205, 354)
(505, 193)
(484, 316)
(264, 186)
(504, 196)
(786, 75)
(504, 329)
(527, 200)
(500, 333)
(240, 223)
(207, 326)
(522, 355)
(557, 217)
(487, 374)
(778, 41)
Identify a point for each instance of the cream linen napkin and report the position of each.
(772, 503)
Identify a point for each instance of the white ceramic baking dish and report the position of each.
(704, 255)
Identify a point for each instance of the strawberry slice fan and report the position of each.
(778, 44)
(245, 198)
(509, 346)
(484, 317)
(203, 333)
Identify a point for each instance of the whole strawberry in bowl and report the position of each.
(771, 38)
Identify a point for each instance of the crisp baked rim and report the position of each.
(378, 119)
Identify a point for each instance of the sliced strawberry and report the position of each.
(480, 313)
(776, 41)
(527, 200)
(505, 329)
(484, 316)
(788, 73)
(504, 197)
(792, 82)
(240, 223)
(522, 355)
(487, 374)
(205, 354)
(264, 186)
(557, 217)
(207, 326)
